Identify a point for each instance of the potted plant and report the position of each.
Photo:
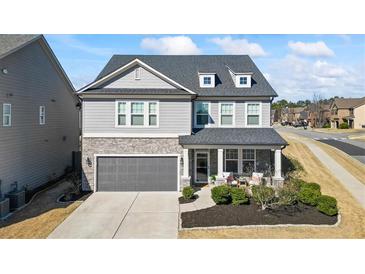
(212, 179)
(4, 204)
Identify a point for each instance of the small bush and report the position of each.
(327, 125)
(288, 194)
(344, 126)
(238, 196)
(309, 194)
(221, 194)
(263, 195)
(327, 205)
(296, 183)
(188, 192)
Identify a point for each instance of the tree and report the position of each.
(317, 109)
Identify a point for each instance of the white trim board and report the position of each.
(178, 156)
(131, 64)
(131, 135)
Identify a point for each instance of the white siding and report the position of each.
(147, 80)
(99, 117)
(33, 154)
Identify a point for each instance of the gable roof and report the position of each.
(184, 69)
(13, 42)
(348, 102)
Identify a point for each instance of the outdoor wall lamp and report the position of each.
(88, 162)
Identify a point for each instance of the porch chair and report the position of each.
(256, 178)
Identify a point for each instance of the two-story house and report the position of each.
(348, 110)
(159, 123)
(39, 112)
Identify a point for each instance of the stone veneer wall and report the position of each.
(91, 146)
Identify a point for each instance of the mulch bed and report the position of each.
(82, 196)
(182, 200)
(251, 214)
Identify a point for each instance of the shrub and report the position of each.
(344, 126)
(188, 192)
(288, 194)
(326, 125)
(221, 194)
(238, 196)
(313, 186)
(296, 183)
(263, 195)
(309, 194)
(327, 205)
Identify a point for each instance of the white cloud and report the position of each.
(318, 49)
(323, 69)
(239, 46)
(171, 45)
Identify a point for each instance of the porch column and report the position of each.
(220, 163)
(185, 178)
(278, 164)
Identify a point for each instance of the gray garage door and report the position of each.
(137, 173)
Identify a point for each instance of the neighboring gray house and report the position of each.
(39, 127)
(154, 123)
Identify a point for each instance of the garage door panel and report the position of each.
(141, 173)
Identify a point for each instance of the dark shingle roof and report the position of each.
(12, 42)
(349, 102)
(143, 91)
(233, 136)
(184, 70)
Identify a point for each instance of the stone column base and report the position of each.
(185, 181)
(4, 207)
(277, 182)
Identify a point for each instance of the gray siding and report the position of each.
(239, 113)
(33, 154)
(174, 118)
(147, 80)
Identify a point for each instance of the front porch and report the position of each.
(240, 152)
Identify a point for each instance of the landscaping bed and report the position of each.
(251, 214)
(73, 197)
(183, 200)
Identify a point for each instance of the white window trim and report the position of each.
(243, 159)
(233, 114)
(145, 113)
(42, 113)
(9, 115)
(137, 73)
(225, 160)
(249, 80)
(212, 80)
(260, 114)
(195, 114)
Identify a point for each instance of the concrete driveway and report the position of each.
(123, 215)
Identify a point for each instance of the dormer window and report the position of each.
(243, 81)
(207, 80)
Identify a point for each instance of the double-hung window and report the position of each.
(253, 114)
(201, 114)
(152, 114)
(122, 113)
(227, 114)
(42, 115)
(6, 115)
(137, 114)
(248, 161)
(231, 160)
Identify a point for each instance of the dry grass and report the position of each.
(357, 137)
(353, 215)
(338, 130)
(356, 168)
(40, 218)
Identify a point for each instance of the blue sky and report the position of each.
(295, 65)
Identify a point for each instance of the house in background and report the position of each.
(159, 123)
(348, 110)
(319, 114)
(39, 114)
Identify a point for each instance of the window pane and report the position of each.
(137, 107)
(232, 166)
(253, 108)
(6, 120)
(248, 167)
(226, 120)
(121, 120)
(231, 154)
(243, 80)
(152, 108)
(6, 109)
(202, 119)
(227, 109)
(137, 120)
(121, 107)
(202, 107)
(153, 120)
(252, 119)
(248, 154)
(207, 80)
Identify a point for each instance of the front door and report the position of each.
(202, 167)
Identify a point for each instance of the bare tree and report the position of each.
(317, 109)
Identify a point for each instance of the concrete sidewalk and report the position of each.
(123, 215)
(353, 185)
